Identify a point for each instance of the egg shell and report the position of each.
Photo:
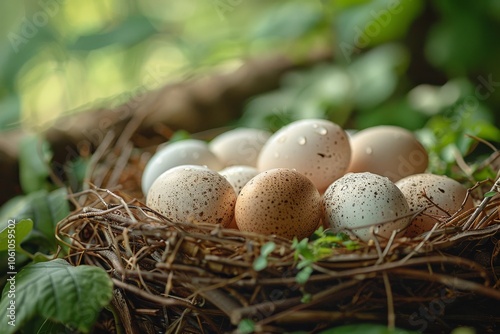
(280, 202)
(389, 151)
(238, 176)
(193, 194)
(317, 148)
(421, 190)
(240, 146)
(359, 201)
(184, 152)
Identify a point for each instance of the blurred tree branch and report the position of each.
(194, 105)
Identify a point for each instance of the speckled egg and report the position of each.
(238, 176)
(240, 146)
(436, 193)
(389, 151)
(317, 148)
(359, 202)
(280, 202)
(184, 152)
(193, 194)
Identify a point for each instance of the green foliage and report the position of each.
(34, 156)
(260, 262)
(58, 292)
(490, 194)
(366, 329)
(319, 247)
(246, 326)
(11, 107)
(129, 32)
(19, 233)
(45, 209)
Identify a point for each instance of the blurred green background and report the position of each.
(430, 66)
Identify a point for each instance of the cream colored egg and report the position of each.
(184, 152)
(240, 146)
(280, 202)
(319, 149)
(439, 196)
(389, 151)
(238, 176)
(193, 194)
(359, 203)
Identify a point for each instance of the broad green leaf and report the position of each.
(33, 163)
(365, 329)
(14, 233)
(44, 208)
(57, 291)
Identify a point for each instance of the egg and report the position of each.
(359, 202)
(280, 202)
(238, 176)
(319, 149)
(389, 151)
(193, 194)
(184, 152)
(434, 193)
(240, 146)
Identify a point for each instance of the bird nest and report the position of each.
(201, 278)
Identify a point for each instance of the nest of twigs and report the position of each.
(185, 278)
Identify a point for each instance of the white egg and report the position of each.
(359, 202)
(184, 152)
(239, 146)
(317, 148)
(438, 196)
(238, 176)
(193, 194)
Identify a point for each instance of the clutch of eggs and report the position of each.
(290, 182)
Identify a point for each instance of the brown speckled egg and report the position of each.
(358, 202)
(421, 190)
(317, 148)
(279, 202)
(389, 151)
(193, 194)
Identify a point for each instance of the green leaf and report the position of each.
(11, 111)
(57, 291)
(260, 263)
(133, 30)
(287, 21)
(303, 275)
(306, 298)
(179, 135)
(365, 329)
(15, 233)
(44, 208)
(267, 248)
(490, 194)
(34, 155)
(246, 326)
